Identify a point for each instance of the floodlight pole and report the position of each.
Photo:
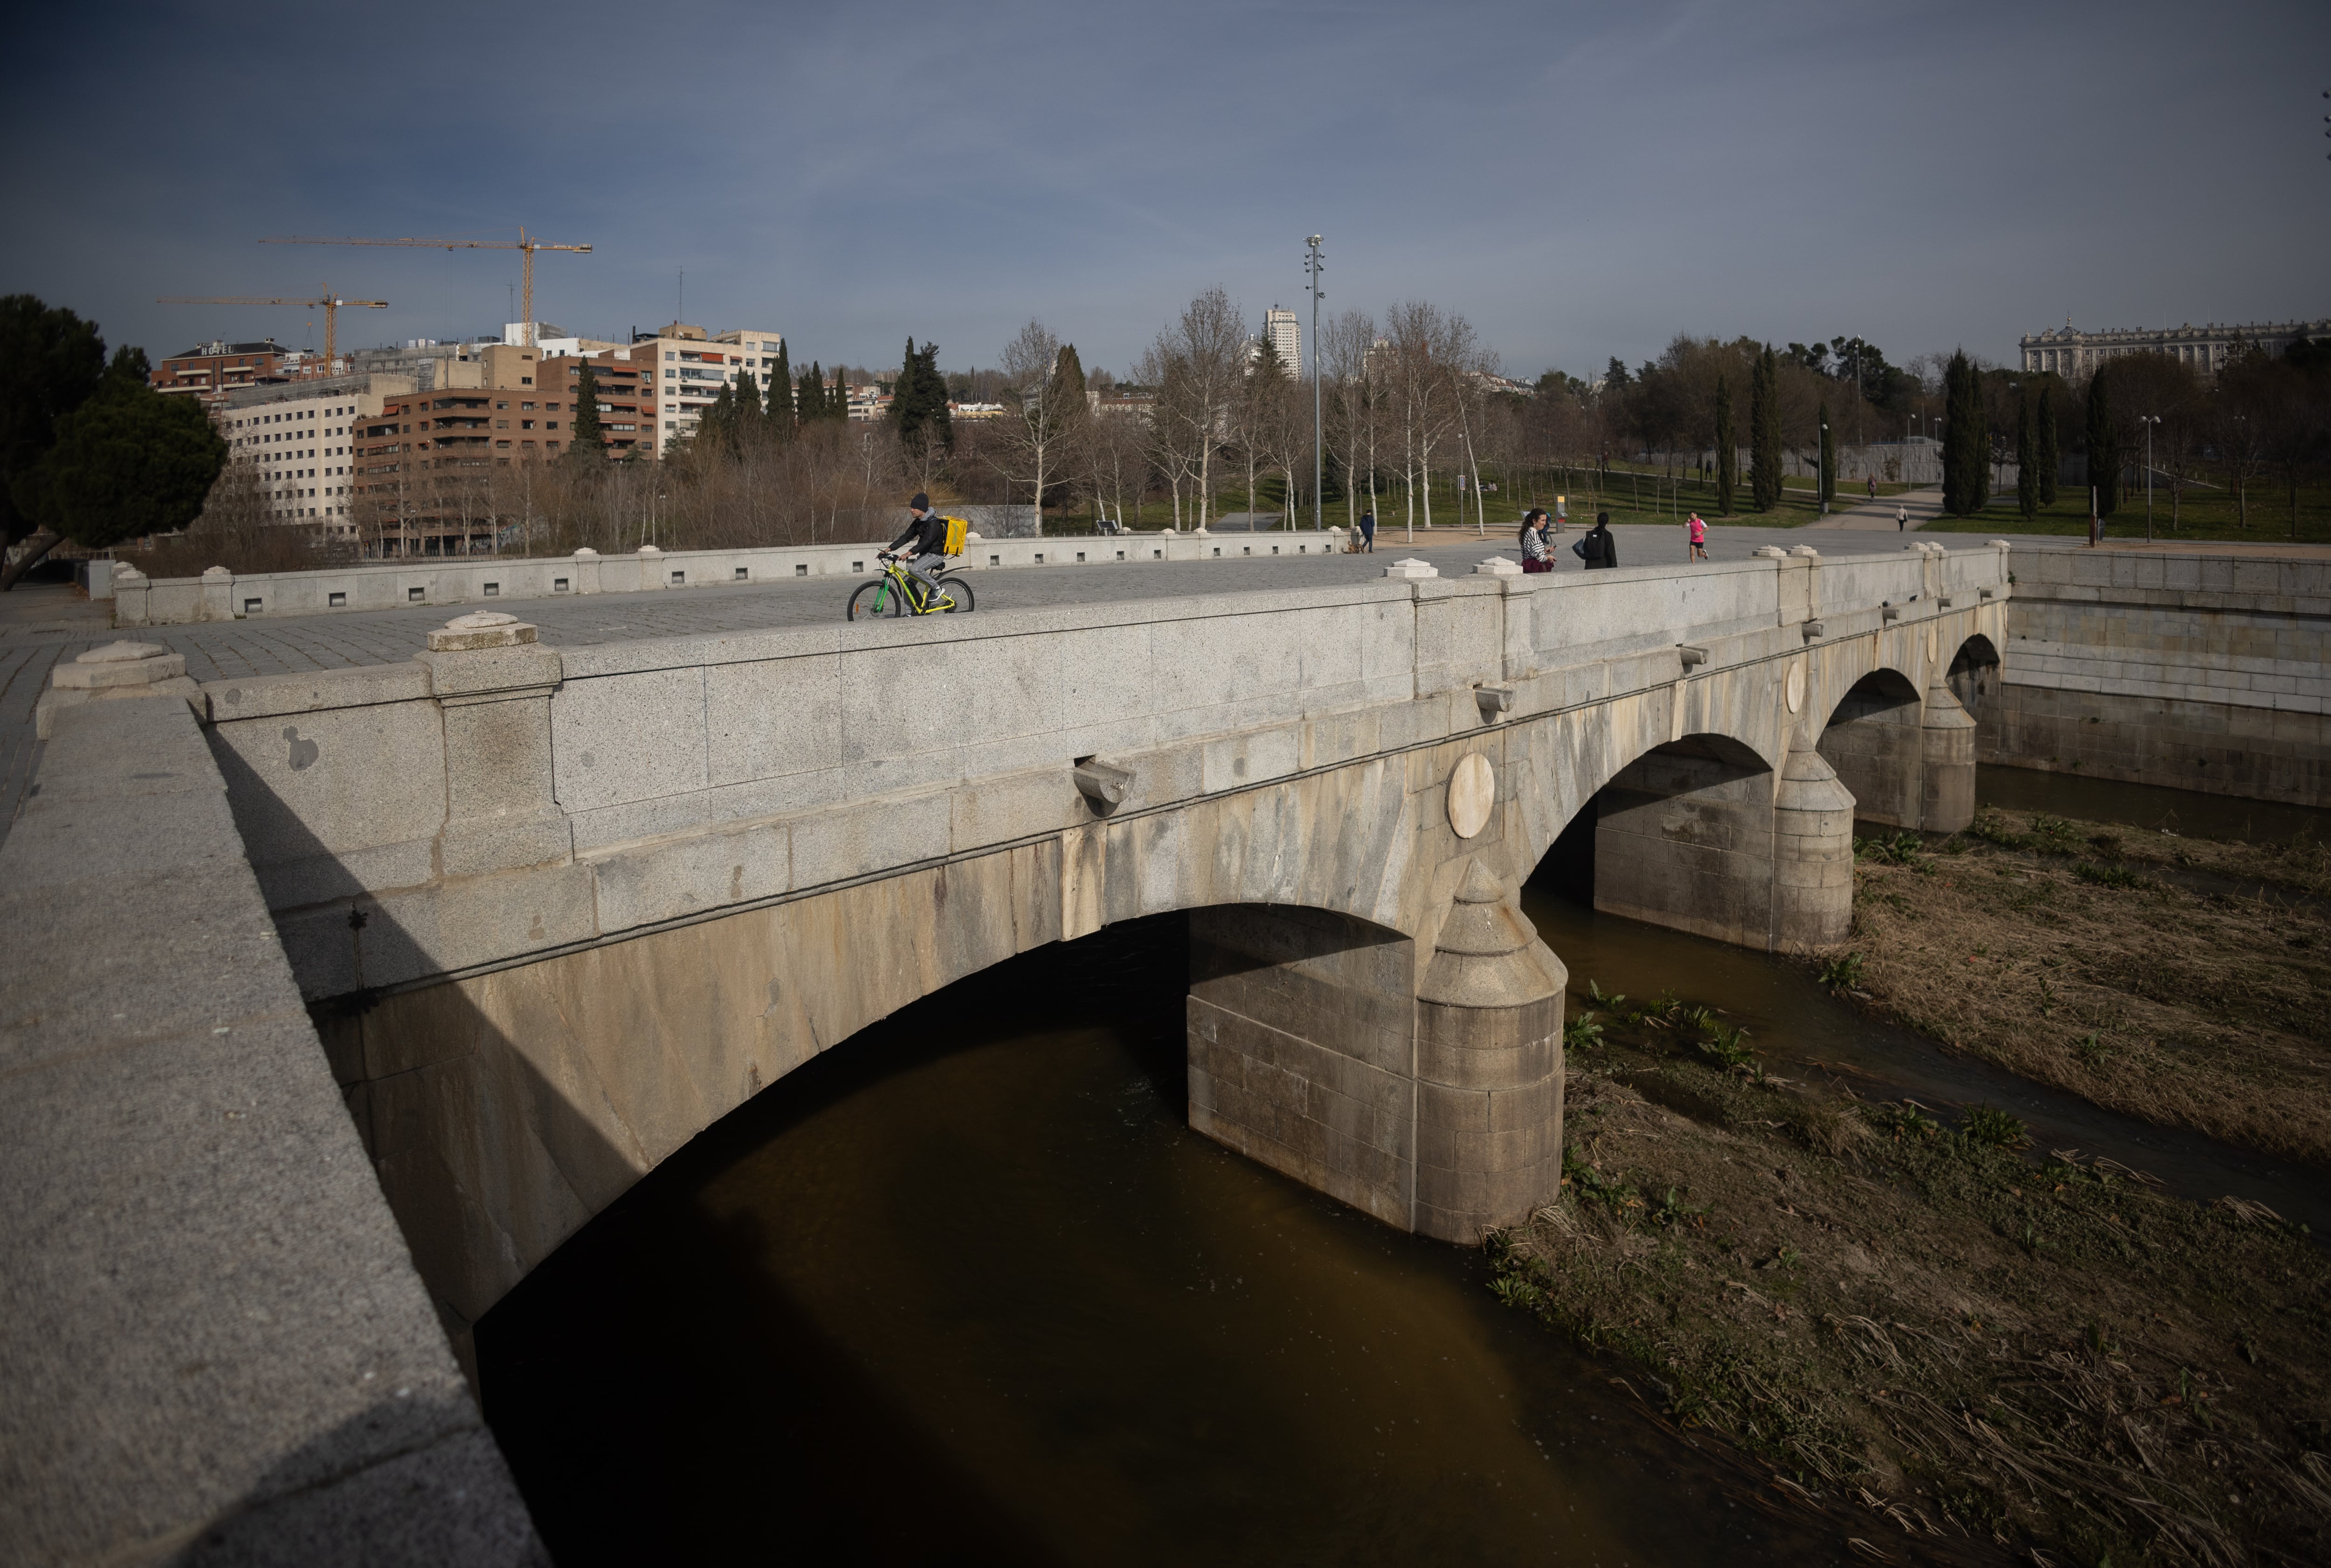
(2148, 421)
(1312, 265)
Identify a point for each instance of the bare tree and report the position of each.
(1431, 350)
(1031, 443)
(1346, 362)
(1200, 361)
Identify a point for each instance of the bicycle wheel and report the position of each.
(878, 597)
(957, 590)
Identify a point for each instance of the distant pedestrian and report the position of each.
(1598, 548)
(1536, 553)
(1368, 533)
(1698, 531)
(1901, 518)
(1873, 487)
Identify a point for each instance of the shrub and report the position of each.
(1842, 974)
(1994, 1128)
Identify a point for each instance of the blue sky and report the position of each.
(1579, 180)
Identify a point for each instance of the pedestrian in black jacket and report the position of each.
(1599, 547)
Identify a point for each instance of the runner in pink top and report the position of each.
(1698, 537)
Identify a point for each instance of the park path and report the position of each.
(1924, 507)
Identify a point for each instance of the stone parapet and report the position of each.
(216, 1342)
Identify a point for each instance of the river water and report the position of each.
(967, 1289)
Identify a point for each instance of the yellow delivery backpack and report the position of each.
(957, 529)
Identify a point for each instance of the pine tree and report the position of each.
(1728, 459)
(1069, 376)
(2104, 447)
(2048, 457)
(2027, 459)
(783, 415)
(1828, 481)
(587, 445)
(1764, 432)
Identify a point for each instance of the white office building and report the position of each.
(299, 440)
(1285, 335)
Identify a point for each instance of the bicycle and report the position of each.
(897, 593)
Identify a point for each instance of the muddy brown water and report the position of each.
(967, 1289)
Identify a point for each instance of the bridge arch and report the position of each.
(1974, 673)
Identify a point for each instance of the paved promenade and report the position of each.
(43, 624)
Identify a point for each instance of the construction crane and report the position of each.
(530, 246)
(331, 303)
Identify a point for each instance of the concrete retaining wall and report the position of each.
(2203, 672)
(215, 1342)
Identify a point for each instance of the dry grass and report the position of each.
(1952, 1352)
(2181, 981)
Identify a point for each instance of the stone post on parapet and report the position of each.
(117, 670)
(493, 682)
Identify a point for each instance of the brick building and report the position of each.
(209, 370)
(432, 467)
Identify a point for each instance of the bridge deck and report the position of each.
(40, 626)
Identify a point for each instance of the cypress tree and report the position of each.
(1069, 376)
(1764, 432)
(1951, 465)
(2027, 459)
(919, 403)
(781, 413)
(584, 427)
(2104, 447)
(837, 399)
(717, 429)
(811, 406)
(1979, 454)
(749, 416)
(1827, 484)
(2044, 436)
(1962, 438)
(1728, 456)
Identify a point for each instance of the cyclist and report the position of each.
(926, 536)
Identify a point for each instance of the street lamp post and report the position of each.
(2148, 421)
(1821, 471)
(1312, 267)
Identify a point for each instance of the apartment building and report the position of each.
(627, 399)
(430, 467)
(688, 368)
(210, 370)
(301, 441)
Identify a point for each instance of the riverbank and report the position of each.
(1919, 1325)
(2182, 980)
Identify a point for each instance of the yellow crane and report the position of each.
(523, 244)
(331, 303)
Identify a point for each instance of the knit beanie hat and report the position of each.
(921, 503)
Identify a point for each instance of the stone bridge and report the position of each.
(557, 911)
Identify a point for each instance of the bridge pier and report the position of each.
(1907, 761)
(1700, 836)
(1433, 1103)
